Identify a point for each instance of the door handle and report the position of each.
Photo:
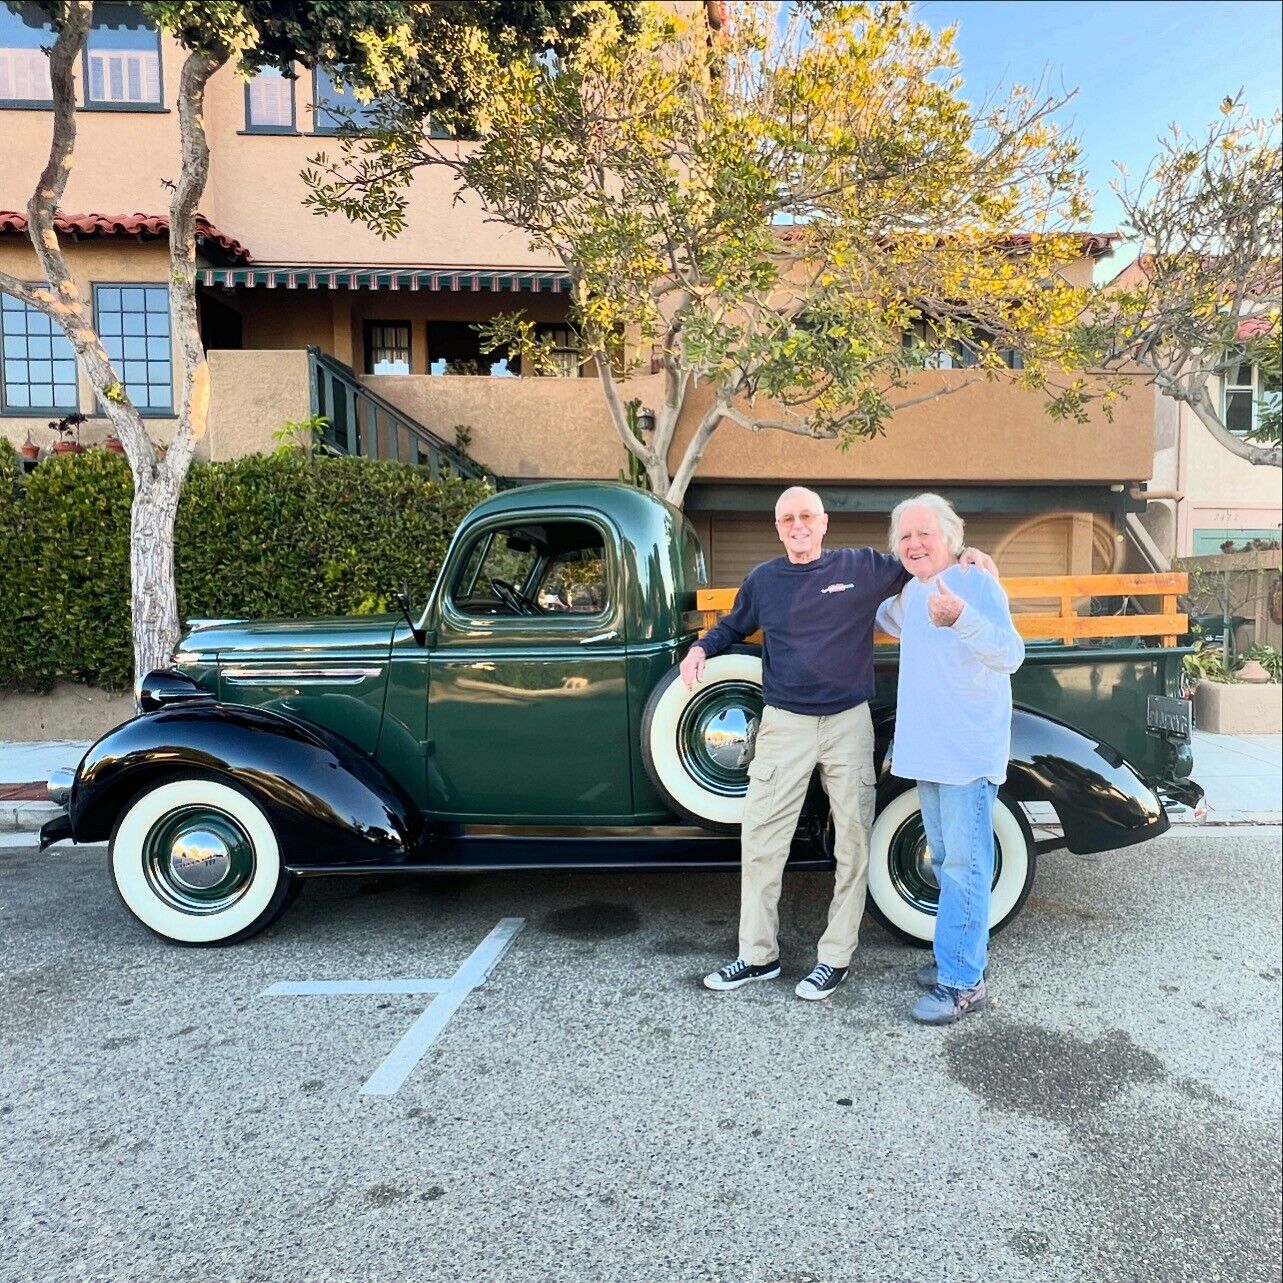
(600, 637)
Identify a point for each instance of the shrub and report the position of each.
(268, 535)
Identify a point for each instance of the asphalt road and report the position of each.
(592, 1114)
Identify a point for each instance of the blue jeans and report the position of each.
(958, 819)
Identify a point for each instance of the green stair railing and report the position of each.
(362, 422)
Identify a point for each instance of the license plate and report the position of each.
(1168, 716)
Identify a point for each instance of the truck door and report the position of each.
(527, 702)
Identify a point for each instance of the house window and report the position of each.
(327, 96)
(133, 321)
(25, 34)
(387, 347)
(269, 103)
(565, 350)
(1248, 393)
(956, 354)
(38, 361)
(454, 347)
(122, 58)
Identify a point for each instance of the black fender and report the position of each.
(329, 803)
(1102, 802)
(1100, 798)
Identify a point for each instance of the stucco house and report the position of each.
(301, 314)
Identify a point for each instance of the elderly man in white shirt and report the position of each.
(958, 648)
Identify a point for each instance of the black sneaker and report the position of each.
(739, 972)
(821, 982)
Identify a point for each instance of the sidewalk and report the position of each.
(1242, 775)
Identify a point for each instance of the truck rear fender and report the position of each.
(1101, 801)
(328, 802)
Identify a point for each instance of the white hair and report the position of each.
(800, 490)
(951, 524)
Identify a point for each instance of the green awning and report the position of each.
(385, 278)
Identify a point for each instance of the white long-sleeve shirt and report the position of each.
(953, 707)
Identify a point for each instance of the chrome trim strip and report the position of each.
(688, 832)
(248, 674)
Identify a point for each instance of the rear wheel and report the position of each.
(197, 862)
(903, 892)
(697, 744)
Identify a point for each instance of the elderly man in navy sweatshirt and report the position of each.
(816, 611)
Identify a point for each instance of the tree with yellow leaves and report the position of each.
(794, 211)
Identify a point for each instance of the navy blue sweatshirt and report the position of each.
(816, 619)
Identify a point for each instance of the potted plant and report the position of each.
(114, 444)
(68, 430)
(29, 450)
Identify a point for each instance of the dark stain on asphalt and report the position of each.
(594, 921)
(1026, 1069)
(123, 1040)
(432, 1193)
(385, 1195)
(312, 1085)
(1030, 1244)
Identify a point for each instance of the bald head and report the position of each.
(801, 523)
(799, 494)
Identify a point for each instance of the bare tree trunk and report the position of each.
(151, 568)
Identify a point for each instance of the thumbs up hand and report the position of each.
(943, 606)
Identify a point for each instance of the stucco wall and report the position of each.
(251, 395)
(985, 433)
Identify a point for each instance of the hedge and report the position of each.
(265, 536)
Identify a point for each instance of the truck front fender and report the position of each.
(328, 802)
(1101, 800)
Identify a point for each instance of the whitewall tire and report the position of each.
(197, 862)
(697, 744)
(902, 890)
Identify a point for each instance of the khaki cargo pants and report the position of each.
(789, 747)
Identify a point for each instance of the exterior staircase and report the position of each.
(362, 422)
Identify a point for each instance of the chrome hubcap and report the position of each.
(716, 734)
(198, 859)
(728, 738)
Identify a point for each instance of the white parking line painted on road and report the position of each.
(450, 994)
(289, 988)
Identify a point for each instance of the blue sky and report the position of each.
(1138, 65)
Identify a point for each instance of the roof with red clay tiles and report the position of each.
(141, 226)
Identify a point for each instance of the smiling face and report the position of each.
(923, 550)
(801, 522)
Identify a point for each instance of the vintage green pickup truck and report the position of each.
(529, 716)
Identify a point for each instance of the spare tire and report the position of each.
(697, 744)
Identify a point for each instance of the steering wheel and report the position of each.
(515, 600)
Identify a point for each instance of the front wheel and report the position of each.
(198, 863)
(903, 892)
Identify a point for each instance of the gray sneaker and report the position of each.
(945, 1006)
(928, 975)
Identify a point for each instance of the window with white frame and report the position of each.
(269, 103)
(133, 321)
(1247, 393)
(37, 361)
(122, 58)
(25, 34)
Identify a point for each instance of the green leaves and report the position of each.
(277, 535)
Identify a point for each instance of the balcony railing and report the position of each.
(362, 422)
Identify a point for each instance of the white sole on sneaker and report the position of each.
(803, 990)
(715, 982)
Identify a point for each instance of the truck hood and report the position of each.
(325, 637)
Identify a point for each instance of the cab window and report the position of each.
(534, 568)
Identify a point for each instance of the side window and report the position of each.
(534, 569)
(574, 583)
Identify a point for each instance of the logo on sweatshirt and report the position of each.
(837, 588)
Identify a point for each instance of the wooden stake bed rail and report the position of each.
(1064, 594)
